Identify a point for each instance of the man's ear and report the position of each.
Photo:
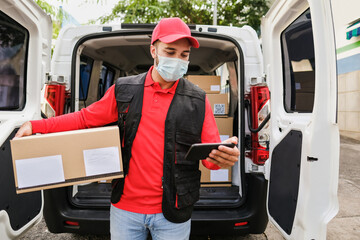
(153, 51)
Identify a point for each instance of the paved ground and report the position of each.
(345, 226)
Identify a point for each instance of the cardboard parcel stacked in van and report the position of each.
(66, 158)
(220, 106)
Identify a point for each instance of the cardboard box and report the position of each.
(219, 103)
(225, 127)
(66, 158)
(215, 184)
(215, 178)
(210, 84)
(304, 87)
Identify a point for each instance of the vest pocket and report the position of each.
(183, 142)
(123, 102)
(187, 188)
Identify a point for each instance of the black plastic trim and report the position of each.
(219, 222)
(206, 221)
(150, 26)
(284, 180)
(21, 208)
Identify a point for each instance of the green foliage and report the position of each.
(229, 12)
(56, 16)
(49, 9)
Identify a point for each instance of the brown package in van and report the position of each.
(215, 178)
(210, 84)
(219, 103)
(225, 127)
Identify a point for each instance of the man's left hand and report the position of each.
(225, 156)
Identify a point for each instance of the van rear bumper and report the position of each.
(222, 221)
(205, 221)
(58, 210)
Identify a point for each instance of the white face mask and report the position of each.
(171, 69)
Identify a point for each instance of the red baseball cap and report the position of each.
(169, 30)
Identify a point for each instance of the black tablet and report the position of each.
(200, 151)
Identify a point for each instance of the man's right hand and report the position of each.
(25, 130)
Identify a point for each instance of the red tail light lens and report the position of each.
(241, 224)
(260, 108)
(71, 223)
(55, 96)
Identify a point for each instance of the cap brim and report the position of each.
(172, 38)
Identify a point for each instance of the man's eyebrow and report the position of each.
(174, 49)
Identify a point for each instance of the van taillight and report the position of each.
(72, 223)
(240, 224)
(54, 99)
(260, 114)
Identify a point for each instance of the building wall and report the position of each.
(349, 104)
(348, 67)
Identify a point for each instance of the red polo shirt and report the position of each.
(142, 190)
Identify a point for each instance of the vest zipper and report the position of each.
(123, 138)
(176, 201)
(175, 154)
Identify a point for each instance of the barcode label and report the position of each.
(219, 109)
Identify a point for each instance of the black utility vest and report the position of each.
(183, 127)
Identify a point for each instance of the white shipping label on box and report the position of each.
(39, 171)
(224, 137)
(101, 161)
(221, 175)
(215, 87)
(219, 109)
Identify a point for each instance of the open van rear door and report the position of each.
(25, 48)
(300, 64)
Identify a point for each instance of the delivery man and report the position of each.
(160, 115)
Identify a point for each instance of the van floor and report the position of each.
(98, 195)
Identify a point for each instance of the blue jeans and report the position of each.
(136, 226)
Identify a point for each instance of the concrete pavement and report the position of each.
(346, 225)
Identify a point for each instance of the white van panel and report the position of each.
(30, 16)
(38, 25)
(317, 195)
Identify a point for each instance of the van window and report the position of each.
(299, 65)
(86, 65)
(106, 79)
(13, 57)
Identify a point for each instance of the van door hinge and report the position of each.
(312, 159)
(255, 81)
(250, 167)
(56, 79)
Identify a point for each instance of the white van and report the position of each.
(288, 168)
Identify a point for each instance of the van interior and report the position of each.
(106, 57)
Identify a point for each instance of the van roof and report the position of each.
(147, 26)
